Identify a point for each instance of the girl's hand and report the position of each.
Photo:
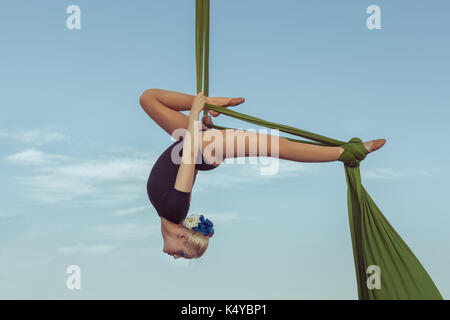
(207, 121)
(198, 104)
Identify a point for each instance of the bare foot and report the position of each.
(373, 145)
(223, 102)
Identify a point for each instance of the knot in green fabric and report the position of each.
(354, 152)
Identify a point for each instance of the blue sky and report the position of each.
(76, 148)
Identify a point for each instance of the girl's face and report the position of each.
(175, 245)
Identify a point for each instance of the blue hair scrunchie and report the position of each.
(205, 226)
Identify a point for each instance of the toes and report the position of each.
(380, 143)
(374, 144)
(377, 144)
(237, 101)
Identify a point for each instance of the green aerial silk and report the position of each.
(377, 248)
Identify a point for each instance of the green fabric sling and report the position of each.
(374, 240)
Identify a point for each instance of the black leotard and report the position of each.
(169, 202)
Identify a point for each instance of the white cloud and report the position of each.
(222, 217)
(124, 212)
(36, 137)
(58, 178)
(382, 173)
(234, 175)
(113, 180)
(128, 231)
(86, 249)
(294, 169)
(390, 174)
(424, 172)
(104, 170)
(35, 158)
(53, 188)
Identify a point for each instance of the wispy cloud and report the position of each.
(423, 172)
(37, 137)
(82, 248)
(129, 211)
(104, 170)
(223, 217)
(121, 178)
(56, 178)
(35, 157)
(112, 180)
(52, 189)
(235, 175)
(128, 231)
(382, 173)
(391, 174)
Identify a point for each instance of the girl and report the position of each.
(170, 183)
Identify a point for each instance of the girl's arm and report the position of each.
(191, 143)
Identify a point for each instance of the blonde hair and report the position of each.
(197, 242)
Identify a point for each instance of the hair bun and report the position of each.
(200, 224)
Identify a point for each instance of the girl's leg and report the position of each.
(163, 107)
(243, 143)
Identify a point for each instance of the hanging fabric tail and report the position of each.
(378, 250)
(385, 266)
